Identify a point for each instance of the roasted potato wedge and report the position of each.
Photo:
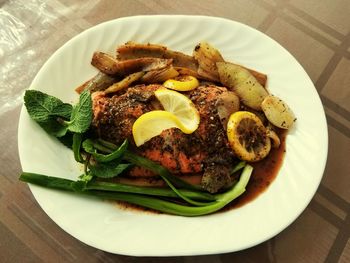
(109, 65)
(184, 64)
(132, 50)
(124, 83)
(99, 82)
(278, 112)
(181, 59)
(207, 75)
(260, 77)
(207, 56)
(187, 71)
(159, 76)
(241, 81)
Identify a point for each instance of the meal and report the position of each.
(164, 130)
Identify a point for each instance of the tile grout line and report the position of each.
(333, 198)
(313, 21)
(315, 35)
(338, 126)
(340, 242)
(343, 226)
(336, 210)
(335, 107)
(267, 22)
(269, 7)
(325, 213)
(274, 12)
(328, 71)
(342, 52)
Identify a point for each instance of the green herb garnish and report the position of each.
(45, 110)
(105, 160)
(56, 117)
(81, 116)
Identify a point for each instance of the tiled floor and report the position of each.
(316, 32)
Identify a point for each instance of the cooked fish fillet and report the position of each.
(199, 152)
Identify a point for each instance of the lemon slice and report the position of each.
(182, 83)
(248, 136)
(181, 106)
(152, 124)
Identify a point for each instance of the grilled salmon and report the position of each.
(206, 151)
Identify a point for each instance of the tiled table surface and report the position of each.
(316, 32)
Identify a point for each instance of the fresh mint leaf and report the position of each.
(53, 127)
(88, 146)
(64, 110)
(81, 116)
(45, 110)
(108, 170)
(42, 107)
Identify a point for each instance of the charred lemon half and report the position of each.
(247, 136)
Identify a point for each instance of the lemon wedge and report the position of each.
(247, 136)
(182, 83)
(181, 106)
(152, 124)
(179, 113)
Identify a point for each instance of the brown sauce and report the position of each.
(263, 175)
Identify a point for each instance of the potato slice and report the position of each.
(240, 80)
(207, 56)
(132, 50)
(99, 82)
(159, 76)
(109, 65)
(124, 83)
(278, 112)
(260, 77)
(187, 71)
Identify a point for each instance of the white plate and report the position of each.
(107, 227)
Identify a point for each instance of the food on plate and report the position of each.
(182, 83)
(153, 123)
(165, 130)
(132, 50)
(207, 57)
(109, 65)
(277, 112)
(275, 140)
(124, 83)
(243, 83)
(248, 136)
(181, 106)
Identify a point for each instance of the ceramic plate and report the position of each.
(105, 226)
